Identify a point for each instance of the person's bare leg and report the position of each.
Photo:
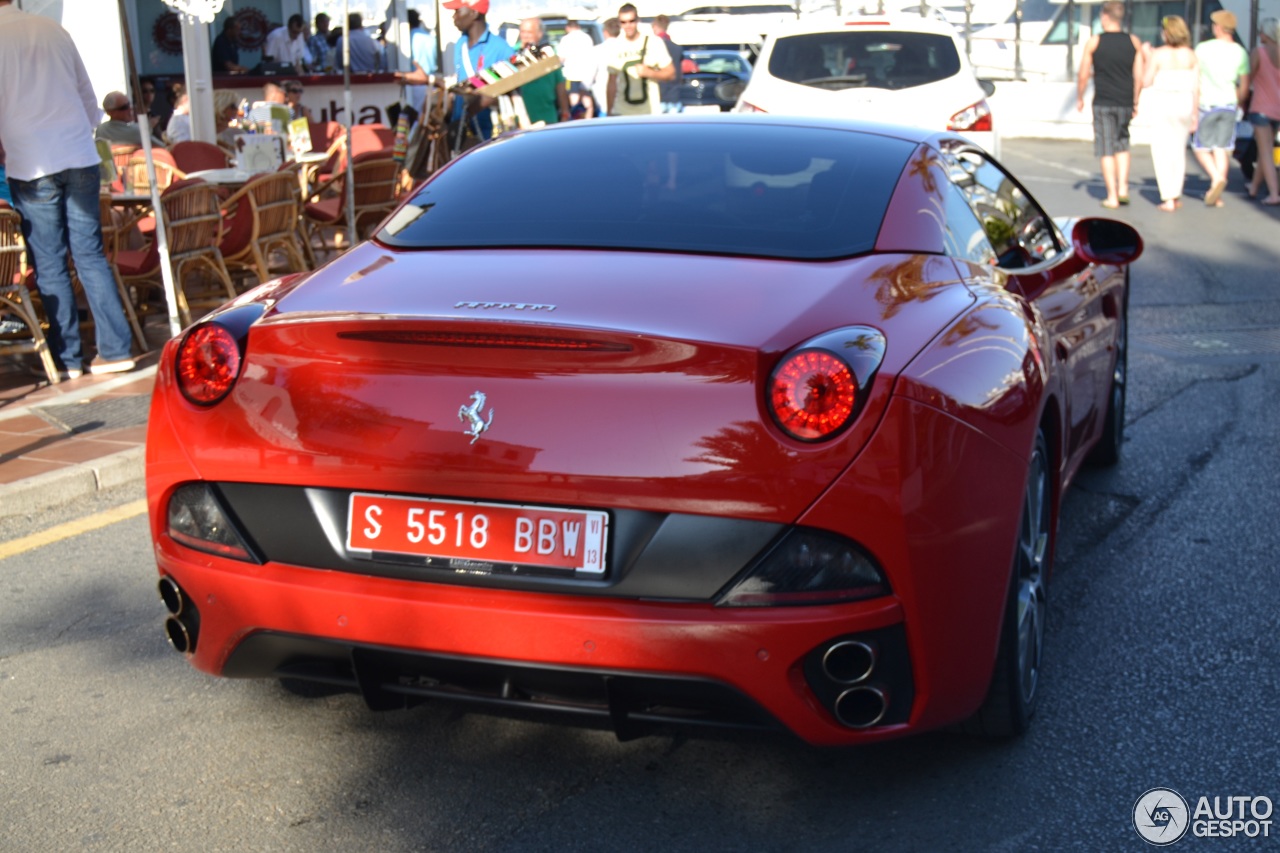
(1122, 174)
(1109, 179)
(1266, 165)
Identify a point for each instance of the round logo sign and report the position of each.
(167, 33)
(1161, 816)
(253, 28)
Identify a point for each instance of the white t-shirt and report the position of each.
(576, 53)
(636, 96)
(48, 110)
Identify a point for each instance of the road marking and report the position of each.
(72, 528)
(1071, 170)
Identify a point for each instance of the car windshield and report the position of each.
(867, 58)
(732, 188)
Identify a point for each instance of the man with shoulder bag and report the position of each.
(638, 64)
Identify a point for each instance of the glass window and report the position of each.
(965, 237)
(1019, 231)
(871, 58)
(781, 192)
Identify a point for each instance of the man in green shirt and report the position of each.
(1224, 81)
(547, 98)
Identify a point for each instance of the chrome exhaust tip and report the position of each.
(175, 601)
(849, 662)
(861, 707)
(178, 635)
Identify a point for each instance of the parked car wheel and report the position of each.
(1011, 700)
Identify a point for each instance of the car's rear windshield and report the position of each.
(719, 63)
(733, 188)
(865, 58)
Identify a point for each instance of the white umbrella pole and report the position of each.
(162, 241)
(350, 188)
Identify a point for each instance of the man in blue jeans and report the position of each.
(47, 115)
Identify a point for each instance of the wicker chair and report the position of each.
(262, 217)
(195, 156)
(15, 299)
(376, 182)
(193, 227)
(167, 170)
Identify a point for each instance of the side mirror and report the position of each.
(1106, 241)
(988, 87)
(730, 90)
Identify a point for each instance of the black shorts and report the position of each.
(1110, 130)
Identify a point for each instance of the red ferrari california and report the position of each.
(739, 421)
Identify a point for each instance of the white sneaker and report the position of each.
(100, 365)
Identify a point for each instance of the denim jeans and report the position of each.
(60, 215)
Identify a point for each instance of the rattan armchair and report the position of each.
(376, 183)
(261, 218)
(15, 299)
(193, 227)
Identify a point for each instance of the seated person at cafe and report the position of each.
(261, 112)
(225, 109)
(288, 45)
(225, 53)
(293, 100)
(179, 129)
(120, 128)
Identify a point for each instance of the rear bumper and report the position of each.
(627, 663)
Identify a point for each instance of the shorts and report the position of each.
(1110, 130)
(1260, 120)
(1216, 130)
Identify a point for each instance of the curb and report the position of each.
(75, 481)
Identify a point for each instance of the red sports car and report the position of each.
(743, 421)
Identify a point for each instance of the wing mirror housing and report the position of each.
(1106, 241)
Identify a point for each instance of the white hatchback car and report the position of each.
(898, 69)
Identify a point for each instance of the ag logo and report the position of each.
(1161, 816)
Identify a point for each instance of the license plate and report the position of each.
(701, 108)
(468, 536)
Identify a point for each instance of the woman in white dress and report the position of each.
(1172, 107)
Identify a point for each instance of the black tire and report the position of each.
(1015, 684)
(1107, 451)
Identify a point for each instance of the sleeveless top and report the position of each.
(1113, 70)
(1266, 87)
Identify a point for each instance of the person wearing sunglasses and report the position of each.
(293, 99)
(638, 64)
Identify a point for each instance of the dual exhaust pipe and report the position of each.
(182, 626)
(852, 662)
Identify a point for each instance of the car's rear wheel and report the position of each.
(1015, 685)
(1107, 450)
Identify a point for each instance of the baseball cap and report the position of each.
(1224, 19)
(480, 7)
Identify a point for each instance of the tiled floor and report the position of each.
(31, 445)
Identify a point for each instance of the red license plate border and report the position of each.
(471, 565)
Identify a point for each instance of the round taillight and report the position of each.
(208, 364)
(812, 394)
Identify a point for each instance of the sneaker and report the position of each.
(99, 365)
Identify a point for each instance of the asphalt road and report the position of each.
(1163, 658)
